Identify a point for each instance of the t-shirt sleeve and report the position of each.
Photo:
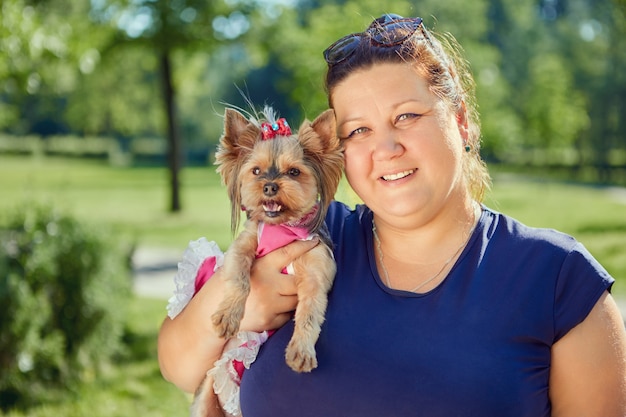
(581, 282)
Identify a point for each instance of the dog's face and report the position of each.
(280, 180)
(277, 183)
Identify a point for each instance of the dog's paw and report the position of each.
(300, 357)
(225, 323)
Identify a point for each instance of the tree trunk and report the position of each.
(173, 135)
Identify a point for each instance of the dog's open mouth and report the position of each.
(272, 208)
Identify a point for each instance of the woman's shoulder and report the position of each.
(507, 230)
(551, 263)
(514, 241)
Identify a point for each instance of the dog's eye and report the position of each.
(294, 172)
(256, 171)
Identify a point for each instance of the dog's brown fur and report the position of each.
(295, 173)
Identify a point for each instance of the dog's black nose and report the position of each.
(270, 189)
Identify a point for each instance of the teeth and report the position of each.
(393, 177)
(272, 207)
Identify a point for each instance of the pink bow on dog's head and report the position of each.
(279, 128)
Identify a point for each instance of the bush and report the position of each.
(64, 287)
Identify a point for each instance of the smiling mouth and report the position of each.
(398, 176)
(272, 208)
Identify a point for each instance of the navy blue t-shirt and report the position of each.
(476, 345)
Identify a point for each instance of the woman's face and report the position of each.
(403, 145)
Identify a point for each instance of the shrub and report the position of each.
(63, 291)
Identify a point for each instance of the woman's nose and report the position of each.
(387, 146)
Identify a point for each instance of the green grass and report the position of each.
(134, 201)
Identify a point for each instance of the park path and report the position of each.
(154, 270)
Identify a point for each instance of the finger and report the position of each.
(269, 316)
(266, 279)
(287, 254)
(279, 297)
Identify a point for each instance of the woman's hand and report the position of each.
(273, 295)
(188, 345)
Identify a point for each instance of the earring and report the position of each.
(468, 148)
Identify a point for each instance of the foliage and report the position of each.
(43, 50)
(133, 386)
(548, 73)
(63, 288)
(553, 105)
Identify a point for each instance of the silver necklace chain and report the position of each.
(446, 263)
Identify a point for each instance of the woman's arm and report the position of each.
(588, 372)
(188, 345)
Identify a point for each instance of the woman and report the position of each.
(440, 307)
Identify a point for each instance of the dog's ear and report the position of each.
(239, 138)
(234, 124)
(235, 145)
(324, 150)
(325, 138)
(325, 126)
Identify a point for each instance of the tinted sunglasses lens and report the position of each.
(394, 33)
(386, 18)
(341, 49)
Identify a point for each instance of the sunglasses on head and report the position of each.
(387, 31)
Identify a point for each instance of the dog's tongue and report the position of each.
(272, 206)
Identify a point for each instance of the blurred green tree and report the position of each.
(562, 61)
(592, 36)
(163, 27)
(548, 72)
(41, 44)
(199, 33)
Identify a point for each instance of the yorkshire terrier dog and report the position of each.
(284, 183)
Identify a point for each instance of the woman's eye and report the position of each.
(406, 116)
(294, 172)
(358, 131)
(256, 171)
